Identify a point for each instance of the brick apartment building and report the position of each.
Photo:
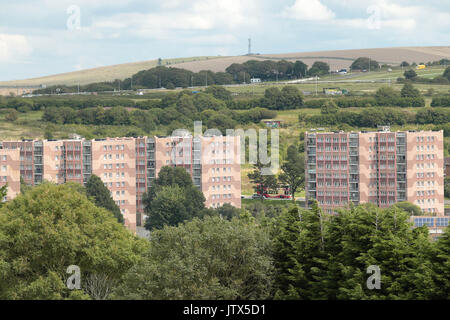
(127, 166)
(381, 167)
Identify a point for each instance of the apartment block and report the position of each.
(381, 167)
(10, 172)
(127, 166)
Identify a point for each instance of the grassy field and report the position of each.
(351, 83)
(107, 73)
(336, 58)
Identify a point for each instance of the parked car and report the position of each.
(257, 196)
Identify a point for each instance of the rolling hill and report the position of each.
(336, 58)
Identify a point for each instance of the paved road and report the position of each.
(250, 197)
(302, 199)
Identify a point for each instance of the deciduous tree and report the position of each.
(51, 227)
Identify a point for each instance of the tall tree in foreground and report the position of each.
(329, 256)
(172, 199)
(441, 266)
(102, 197)
(293, 170)
(211, 258)
(302, 258)
(289, 270)
(52, 227)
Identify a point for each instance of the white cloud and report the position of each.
(308, 10)
(199, 15)
(13, 47)
(397, 24)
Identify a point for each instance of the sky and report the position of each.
(45, 37)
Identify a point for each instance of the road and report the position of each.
(250, 198)
(302, 199)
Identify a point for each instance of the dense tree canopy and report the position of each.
(408, 91)
(364, 63)
(172, 199)
(410, 74)
(289, 97)
(51, 227)
(386, 92)
(211, 258)
(319, 68)
(267, 70)
(320, 256)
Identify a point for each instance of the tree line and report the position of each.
(174, 110)
(371, 117)
(172, 77)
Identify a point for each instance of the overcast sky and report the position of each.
(45, 37)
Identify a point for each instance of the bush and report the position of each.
(443, 101)
(12, 116)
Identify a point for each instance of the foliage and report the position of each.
(443, 101)
(3, 193)
(175, 110)
(408, 91)
(372, 117)
(321, 256)
(227, 211)
(262, 183)
(203, 259)
(386, 92)
(289, 97)
(12, 116)
(329, 107)
(440, 264)
(102, 197)
(410, 74)
(447, 73)
(51, 227)
(409, 207)
(447, 187)
(172, 199)
(293, 170)
(364, 63)
(267, 70)
(319, 68)
(219, 92)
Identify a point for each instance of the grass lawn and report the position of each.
(349, 82)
